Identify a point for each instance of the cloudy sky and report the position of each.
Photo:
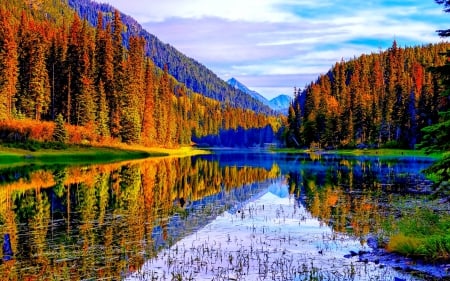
(273, 45)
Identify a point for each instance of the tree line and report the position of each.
(86, 75)
(384, 98)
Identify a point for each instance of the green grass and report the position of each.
(8, 158)
(70, 155)
(422, 234)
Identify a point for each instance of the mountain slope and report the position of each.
(193, 74)
(239, 86)
(281, 103)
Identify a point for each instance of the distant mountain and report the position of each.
(193, 74)
(280, 103)
(239, 86)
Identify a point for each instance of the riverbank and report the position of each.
(76, 154)
(382, 152)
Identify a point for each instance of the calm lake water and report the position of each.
(232, 215)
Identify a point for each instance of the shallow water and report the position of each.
(233, 215)
(270, 238)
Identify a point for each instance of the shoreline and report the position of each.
(381, 152)
(78, 154)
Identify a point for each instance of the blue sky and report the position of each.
(273, 46)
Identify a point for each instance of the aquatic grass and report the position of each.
(433, 248)
(422, 234)
(263, 240)
(405, 245)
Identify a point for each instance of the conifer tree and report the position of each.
(133, 102)
(60, 133)
(437, 136)
(8, 65)
(148, 120)
(34, 87)
(56, 67)
(118, 75)
(102, 119)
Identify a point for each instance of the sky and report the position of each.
(272, 46)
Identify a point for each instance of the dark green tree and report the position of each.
(437, 136)
(60, 133)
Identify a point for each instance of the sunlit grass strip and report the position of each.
(423, 234)
(176, 151)
(71, 155)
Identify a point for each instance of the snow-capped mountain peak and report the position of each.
(233, 82)
(280, 103)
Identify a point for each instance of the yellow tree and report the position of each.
(133, 101)
(8, 65)
(148, 120)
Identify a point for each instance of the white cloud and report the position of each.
(248, 10)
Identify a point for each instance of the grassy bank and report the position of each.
(74, 154)
(70, 155)
(422, 234)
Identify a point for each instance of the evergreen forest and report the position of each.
(382, 99)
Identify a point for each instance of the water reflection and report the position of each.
(104, 221)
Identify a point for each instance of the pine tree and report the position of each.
(104, 78)
(162, 109)
(75, 68)
(437, 136)
(148, 120)
(60, 133)
(56, 67)
(133, 102)
(34, 87)
(116, 98)
(102, 112)
(8, 65)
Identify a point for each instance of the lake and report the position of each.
(231, 215)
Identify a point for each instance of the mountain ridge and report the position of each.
(280, 103)
(239, 86)
(186, 70)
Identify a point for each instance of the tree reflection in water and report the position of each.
(103, 221)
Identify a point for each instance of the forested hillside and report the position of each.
(54, 63)
(186, 70)
(383, 99)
